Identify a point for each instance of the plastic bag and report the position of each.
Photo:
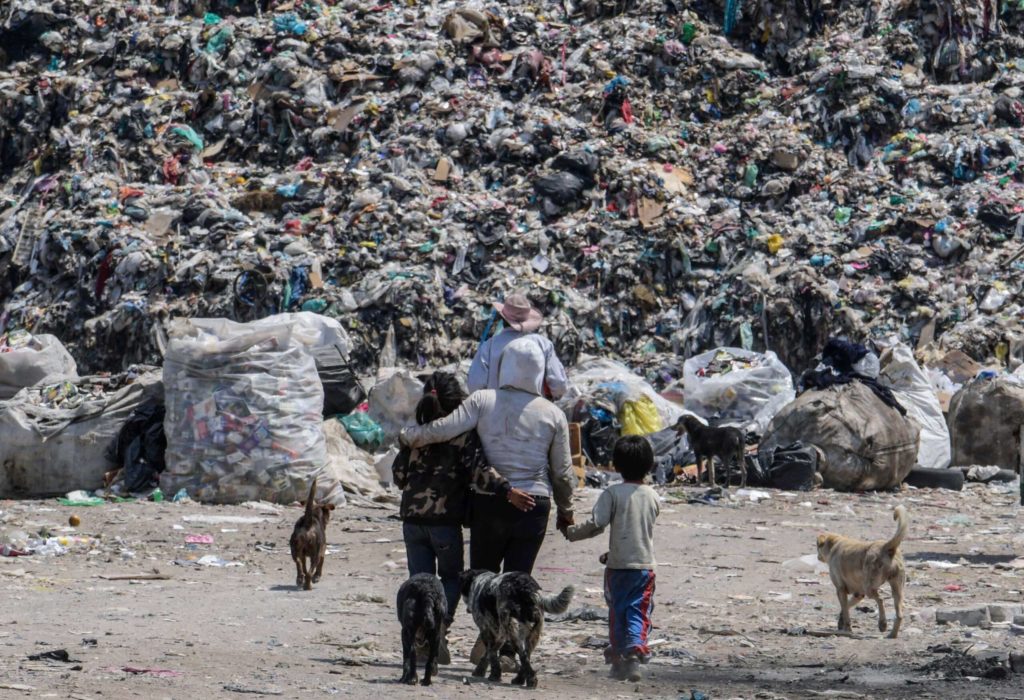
(364, 431)
(792, 467)
(393, 402)
(605, 383)
(640, 417)
(30, 360)
(343, 391)
(46, 451)
(244, 408)
(740, 387)
(914, 391)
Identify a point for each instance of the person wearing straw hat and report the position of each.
(522, 320)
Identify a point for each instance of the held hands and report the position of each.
(564, 521)
(521, 500)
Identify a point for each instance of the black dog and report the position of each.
(508, 608)
(727, 444)
(422, 610)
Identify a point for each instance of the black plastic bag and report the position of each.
(342, 390)
(580, 163)
(599, 440)
(561, 188)
(793, 467)
(140, 446)
(756, 474)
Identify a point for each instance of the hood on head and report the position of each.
(522, 366)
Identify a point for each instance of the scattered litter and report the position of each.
(232, 688)
(198, 539)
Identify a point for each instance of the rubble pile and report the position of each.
(666, 176)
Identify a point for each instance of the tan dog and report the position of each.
(859, 569)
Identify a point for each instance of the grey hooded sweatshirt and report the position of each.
(525, 436)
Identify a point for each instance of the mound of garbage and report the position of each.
(666, 176)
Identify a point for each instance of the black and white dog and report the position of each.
(422, 610)
(509, 609)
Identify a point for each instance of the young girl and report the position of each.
(630, 509)
(435, 482)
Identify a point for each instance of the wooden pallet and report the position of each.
(576, 452)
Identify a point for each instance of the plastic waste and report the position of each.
(737, 386)
(365, 431)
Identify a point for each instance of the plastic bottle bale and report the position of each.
(985, 419)
(867, 444)
(243, 412)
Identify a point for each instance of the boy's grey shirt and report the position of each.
(630, 510)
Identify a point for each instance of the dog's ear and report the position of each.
(329, 506)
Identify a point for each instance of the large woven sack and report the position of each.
(867, 444)
(985, 419)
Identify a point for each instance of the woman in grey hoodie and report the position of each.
(526, 439)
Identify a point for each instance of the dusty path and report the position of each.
(724, 604)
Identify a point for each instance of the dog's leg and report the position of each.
(743, 467)
(408, 653)
(299, 576)
(481, 667)
(320, 563)
(494, 659)
(711, 472)
(700, 467)
(896, 583)
(432, 648)
(883, 624)
(521, 641)
(528, 635)
(844, 611)
(307, 569)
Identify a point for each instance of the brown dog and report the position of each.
(859, 569)
(728, 444)
(309, 540)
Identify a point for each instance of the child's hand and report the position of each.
(603, 558)
(563, 522)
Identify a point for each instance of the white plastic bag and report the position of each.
(913, 389)
(244, 409)
(753, 389)
(30, 360)
(598, 376)
(393, 401)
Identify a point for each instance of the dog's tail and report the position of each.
(902, 523)
(311, 500)
(556, 603)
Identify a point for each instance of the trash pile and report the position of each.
(666, 176)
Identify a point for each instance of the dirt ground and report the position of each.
(731, 621)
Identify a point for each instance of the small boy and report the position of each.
(630, 509)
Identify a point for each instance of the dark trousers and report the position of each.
(436, 550)
(503, 534)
